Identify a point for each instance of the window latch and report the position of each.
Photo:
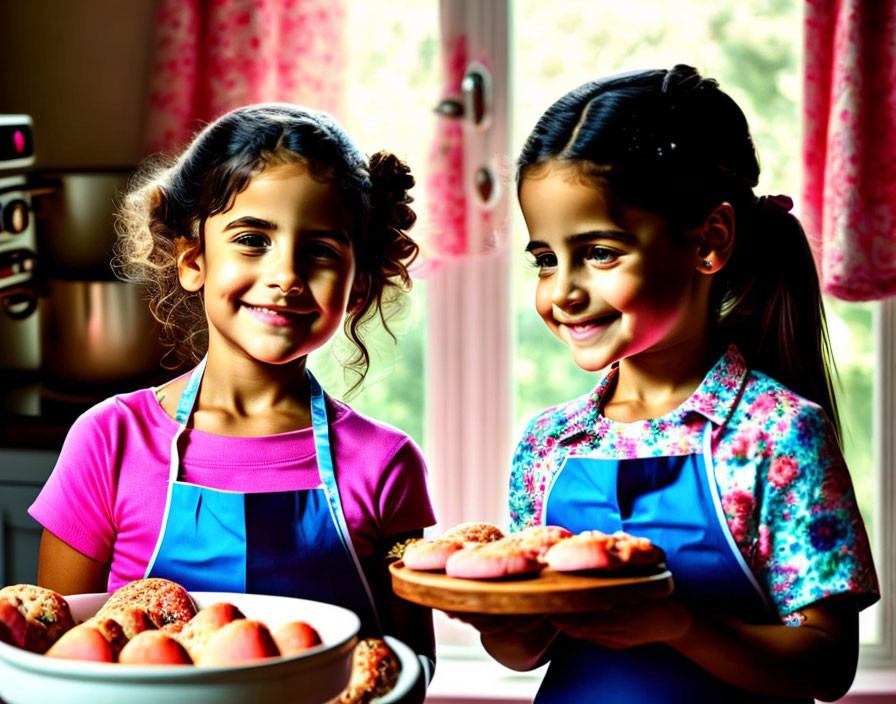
(475, 87)
(474, 102)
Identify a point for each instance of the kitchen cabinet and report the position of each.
(22, 474)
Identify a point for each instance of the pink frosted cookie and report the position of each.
(594, 550)
(502, 558)
(473, 532)
(633, 550)
(539, 539)
(430, 555)
(154, 648)
(196, 633)
(589, 550)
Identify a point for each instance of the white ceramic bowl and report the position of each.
(315, 676)
(410, 686)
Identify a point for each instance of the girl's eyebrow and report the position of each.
(262, 224)
(332, 234)
(249, 221)
(588, 237)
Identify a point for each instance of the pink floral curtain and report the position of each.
(446, 200)
(212, 56)
(464, 210)
(445, 235)
(849, 145)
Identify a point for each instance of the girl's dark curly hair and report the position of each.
(169, 203)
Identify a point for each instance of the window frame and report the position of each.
(882, 653)
(469, 331)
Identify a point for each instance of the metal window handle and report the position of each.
(484, 184)
(450, 108)
(474, 106)
(474, 86)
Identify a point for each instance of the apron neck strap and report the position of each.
(188, 396)
(319, 424)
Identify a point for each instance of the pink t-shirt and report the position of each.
(106, 495)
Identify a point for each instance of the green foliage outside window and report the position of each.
(393, 79)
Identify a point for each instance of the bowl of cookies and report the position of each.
(151, 640)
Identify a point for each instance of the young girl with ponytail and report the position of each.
(264, 237)
(713, 429)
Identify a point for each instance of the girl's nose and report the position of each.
(286, 277)
(288, 288)
(567, 291)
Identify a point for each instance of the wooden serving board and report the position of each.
(548, 593)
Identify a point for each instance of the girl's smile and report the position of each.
(277, 316)
(583, 331)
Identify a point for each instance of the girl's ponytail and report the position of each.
(769, 302)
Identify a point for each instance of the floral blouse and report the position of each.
(785, 489)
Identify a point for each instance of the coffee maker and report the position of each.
(19, 295)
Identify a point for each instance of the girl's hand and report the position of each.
(624, 626)
(510, 627)
(518, 642)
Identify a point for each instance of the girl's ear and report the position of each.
(715, 239)
(190, 264)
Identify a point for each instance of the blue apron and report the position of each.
(675, 502)
(287, 543)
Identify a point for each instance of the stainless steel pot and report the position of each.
(98, 332)
(75, 218)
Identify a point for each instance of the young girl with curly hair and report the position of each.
(269, 232)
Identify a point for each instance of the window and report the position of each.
(473, 361)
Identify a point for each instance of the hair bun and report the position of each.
(682, 78)
(779, 203)
(391, 180)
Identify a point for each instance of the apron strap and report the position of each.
(325, 468)
(185, 406)
(713, 488)
(188, 396)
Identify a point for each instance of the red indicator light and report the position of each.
(18, 141)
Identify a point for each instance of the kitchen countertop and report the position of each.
(35, 415)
